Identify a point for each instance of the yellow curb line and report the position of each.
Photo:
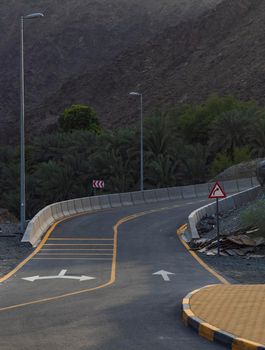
(180, 231)
(203, 328)
(211, 332)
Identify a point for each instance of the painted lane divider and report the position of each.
(60, 275)
(164, 274)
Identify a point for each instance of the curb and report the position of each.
(211, 332)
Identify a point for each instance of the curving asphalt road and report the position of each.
(125, 306)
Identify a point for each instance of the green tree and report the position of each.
(80, 117)
(229, 131)
(220, 163)
(117, 160)
(195, 122)
(159, 138)
(162, 171)
(256, 135)
(194, 160)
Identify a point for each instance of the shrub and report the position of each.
(255, 216)
(80, 117)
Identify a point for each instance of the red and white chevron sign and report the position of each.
(98, 184)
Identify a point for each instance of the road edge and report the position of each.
(179, 232)
(38, 248)
(211, 332)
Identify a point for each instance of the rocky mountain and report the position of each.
(221, 51)
(75, 41)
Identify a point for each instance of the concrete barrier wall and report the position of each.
(115, 200)
(137, 197)
(161, 194)
(150, 196)
(104, 202)
(232, 202)
(188, 192)
(58, 211)
(126, 199)
(175, 193)
(202, 191)
(78, 205)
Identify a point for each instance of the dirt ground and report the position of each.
(238, 269)
(12, 251)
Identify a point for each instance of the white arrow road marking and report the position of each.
(60, 275)
(164, 274)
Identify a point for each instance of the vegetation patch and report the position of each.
(182, 146)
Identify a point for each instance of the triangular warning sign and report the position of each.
(217, 191)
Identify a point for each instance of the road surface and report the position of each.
(124, 306)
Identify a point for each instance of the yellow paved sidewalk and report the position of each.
(236, 309)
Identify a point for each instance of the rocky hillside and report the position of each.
(239, 171)
(74, 38)
(220, 52)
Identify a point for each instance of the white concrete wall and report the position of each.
(43, 220)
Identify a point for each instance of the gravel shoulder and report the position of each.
(12, 250)
(238, 269)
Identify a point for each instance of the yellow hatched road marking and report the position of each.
(77, 249)
(74, 254)
(80, 239)
(63, 244)
(70, 258)
(113, 265)
(11, 273)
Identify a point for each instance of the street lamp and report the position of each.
(142, 141)
(22, 122)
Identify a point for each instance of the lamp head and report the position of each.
(133, 93)
(33, 15)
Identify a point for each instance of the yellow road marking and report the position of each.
(80, 239)
(70, 258)
(63, 244)
(199, 260)
(2, 279)
(182, 229)
(73, 254)
(76, 249)
(113, 267)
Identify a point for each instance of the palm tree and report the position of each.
(55, 146)
(54, 182)
(158, 136)
(230, 130)
(117, 160)
(194, 163)
(163, 171)
(256, 136)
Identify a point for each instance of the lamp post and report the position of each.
(22, 124)
(142, 141)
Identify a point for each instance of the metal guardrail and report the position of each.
(43, 220)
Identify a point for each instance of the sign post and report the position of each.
(218, 226)
(217, 192)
